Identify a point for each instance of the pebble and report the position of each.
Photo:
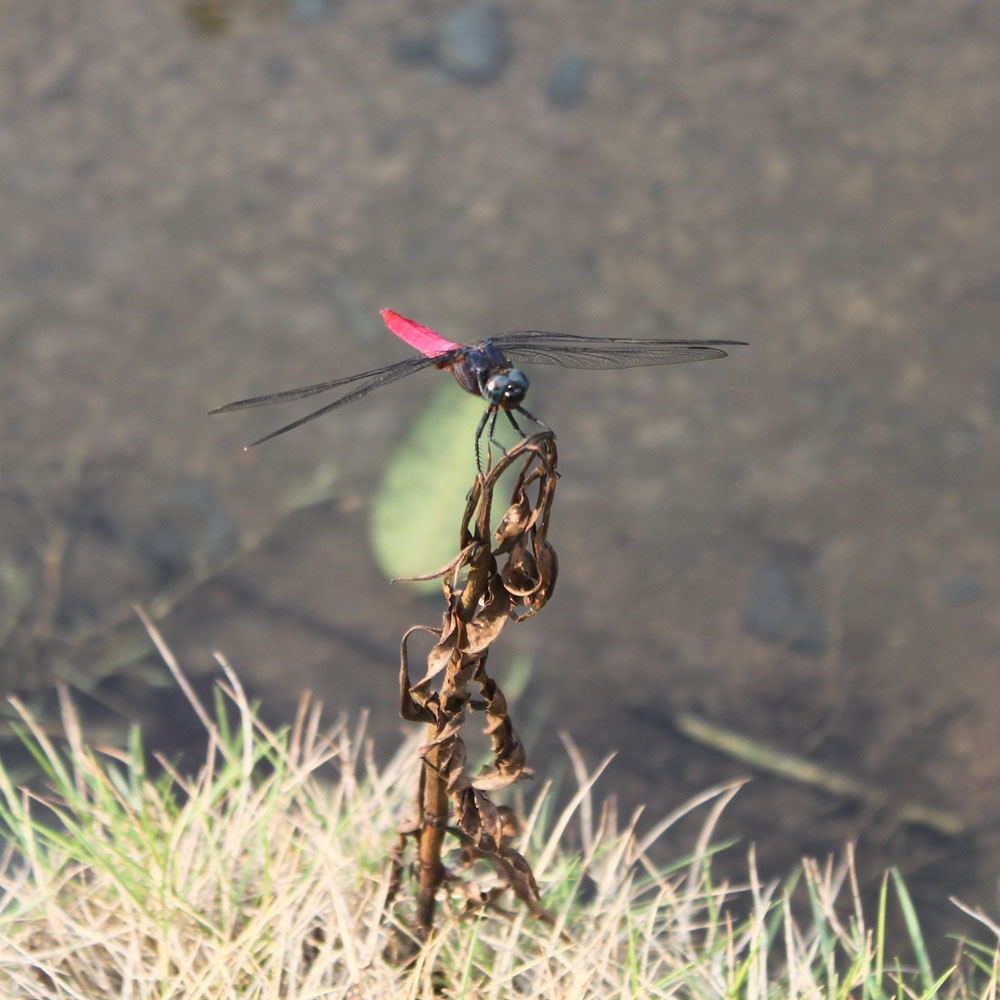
(190, 531)
(567, 86)
(309, 11)
(278, 69)
(951, 452)
(473, 42)
(415, 49)
(962, 588)
(778, 612)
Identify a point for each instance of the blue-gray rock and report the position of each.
(950, 452)
(777, 611)
(278, 69)
(190, 531)
(962, 588)
(567, 86)
(473, 42)
(415, 49)
(309, 11)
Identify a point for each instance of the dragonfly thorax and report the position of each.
(505, 389)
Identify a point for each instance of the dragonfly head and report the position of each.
(506, 390)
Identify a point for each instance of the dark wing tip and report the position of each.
(273, 434)
(240, 404)
(715, 347)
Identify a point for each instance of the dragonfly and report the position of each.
(486, 368)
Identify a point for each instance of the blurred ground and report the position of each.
(203, 201)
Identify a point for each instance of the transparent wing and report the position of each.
(370, 381)
(375, 378)
(571, 350)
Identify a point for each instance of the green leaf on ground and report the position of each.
(415, 516)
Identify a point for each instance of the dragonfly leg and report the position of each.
(490, 438)
(514, 423)
(490, 410)
(530, 416)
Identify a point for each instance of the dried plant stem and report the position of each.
(433, 823)
(481, 597)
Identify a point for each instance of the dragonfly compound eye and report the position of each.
(495, 389)
(517, 387)
(505, 390)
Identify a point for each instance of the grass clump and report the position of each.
(266, 875)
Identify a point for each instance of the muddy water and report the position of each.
(202, 201)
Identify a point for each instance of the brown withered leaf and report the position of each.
(522, 881)
(466, 814)
(492, 778)
(547, 568)
(438, 658)
(512, 869)
(410, 708)
(452, 726)
(477, 817)
(489, 816)
(478, 900)
(508, 751)
(451, 765)
(514, 524)
(520, 574)
(483, 630)
(511, 824)
(463, 557)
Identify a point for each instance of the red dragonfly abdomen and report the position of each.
(423, 338)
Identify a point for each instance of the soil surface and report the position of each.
(207, 200)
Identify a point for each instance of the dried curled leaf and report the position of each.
(484, 629)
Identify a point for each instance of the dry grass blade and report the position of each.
(270, 884)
